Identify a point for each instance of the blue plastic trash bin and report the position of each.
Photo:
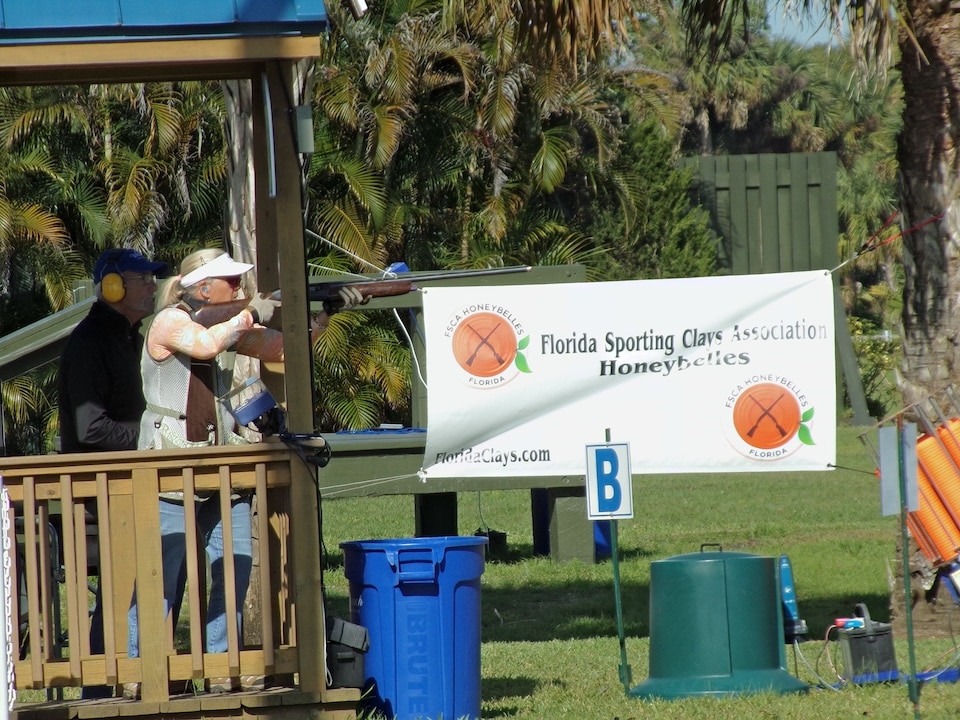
(419, 599)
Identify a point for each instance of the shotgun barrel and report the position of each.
(400, 284)
(328, 293)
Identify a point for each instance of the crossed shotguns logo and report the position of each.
(765, 413)
(483, 343)
(486, 347)
(767, 421)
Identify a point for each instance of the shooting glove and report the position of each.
(350, 297)
(262, 307)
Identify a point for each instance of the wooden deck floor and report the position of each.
(274, 703)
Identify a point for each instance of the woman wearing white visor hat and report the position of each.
(185, 369)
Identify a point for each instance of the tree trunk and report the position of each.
(238, 103)
(240, 212)
(706, 134)
(242, 237)
(927, 153)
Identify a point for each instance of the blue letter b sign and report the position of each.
(609, 486)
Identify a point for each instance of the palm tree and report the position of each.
(868, 203)
(381, 83)
(919, 36)
(29, 412)
(464, 123)
(808, 99)
(564, 33)
(440, 149)
(361, 369)
(163, 163)
(754, 95)
(133, 163)
(83, 168)
(29, 178)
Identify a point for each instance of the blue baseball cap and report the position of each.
(121, 260)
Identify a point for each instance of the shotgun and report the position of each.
(328, 293)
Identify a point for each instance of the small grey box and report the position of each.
(349, 634)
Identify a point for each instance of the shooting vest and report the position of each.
(182, 406)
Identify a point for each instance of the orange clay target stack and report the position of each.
(935, 521)
(933, 501)
(920, 480)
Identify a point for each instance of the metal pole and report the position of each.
(913, 690)
(624, 670)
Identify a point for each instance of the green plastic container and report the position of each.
(716, 627)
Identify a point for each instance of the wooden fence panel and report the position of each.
(772, 213)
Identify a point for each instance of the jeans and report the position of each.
(173, 544)
(89, 692)
(96, 627)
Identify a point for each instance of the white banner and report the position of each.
(697, 375)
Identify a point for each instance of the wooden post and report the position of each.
(280, 246)
(150, 616)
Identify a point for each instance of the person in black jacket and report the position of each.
(100, 389)
(101, 393)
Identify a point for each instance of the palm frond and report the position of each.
(549, 166)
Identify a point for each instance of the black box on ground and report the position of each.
(346, 644)
(346, 666)
(496, 548)
(868, 655)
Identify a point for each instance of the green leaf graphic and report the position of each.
(804, 434)
(524, 343)
(807, 416)
(521, 362)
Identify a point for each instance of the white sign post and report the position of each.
(609, 497)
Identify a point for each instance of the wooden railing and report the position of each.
(62, 504)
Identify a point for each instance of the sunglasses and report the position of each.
(145, 278)
(233, 281)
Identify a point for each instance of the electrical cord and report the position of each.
(360, 260)
(948, 671)
(798, 653)
(301, 442)
(290, 440)
(385, 275)
(824, 652)
(413, 352)
(953, 653)
(483, 523)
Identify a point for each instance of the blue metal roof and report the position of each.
(39, 21)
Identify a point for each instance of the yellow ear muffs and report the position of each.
(112, 287)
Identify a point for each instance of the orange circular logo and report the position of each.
(484, 344)
(766, 416)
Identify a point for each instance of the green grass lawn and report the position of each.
(550, 645)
